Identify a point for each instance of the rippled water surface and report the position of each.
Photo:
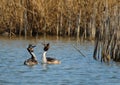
(74, 69)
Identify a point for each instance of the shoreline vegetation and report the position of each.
(97, 20)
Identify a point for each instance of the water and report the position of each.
(74, 69)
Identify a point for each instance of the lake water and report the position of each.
(73, 70)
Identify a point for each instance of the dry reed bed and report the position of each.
(107, 42)
(58, 17)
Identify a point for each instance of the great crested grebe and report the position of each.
(48, 60)
(31, 61)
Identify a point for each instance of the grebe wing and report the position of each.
(50, 59)
(30, 62)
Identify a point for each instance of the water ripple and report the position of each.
(74, 69)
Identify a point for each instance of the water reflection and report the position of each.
(44, 67)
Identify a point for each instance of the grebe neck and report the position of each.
(44, 60)
(33, 55)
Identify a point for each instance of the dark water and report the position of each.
(74, 69)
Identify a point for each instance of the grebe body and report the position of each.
(49, 60)
(30, 62)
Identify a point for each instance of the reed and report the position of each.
(107, 40)
(60, 17)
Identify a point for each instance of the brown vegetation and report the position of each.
(55, 17)
(107, 46)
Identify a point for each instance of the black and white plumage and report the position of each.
(32, 60)
(46, 47)
(48, 60)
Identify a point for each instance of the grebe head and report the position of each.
(46, 47)
(30, 47)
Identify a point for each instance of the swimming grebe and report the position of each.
(31, 61)
(48, 60)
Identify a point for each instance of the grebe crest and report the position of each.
(46, 47)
